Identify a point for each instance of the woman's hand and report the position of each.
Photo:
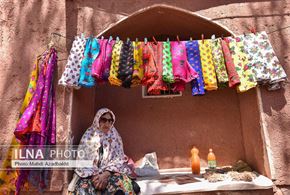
(101, 181)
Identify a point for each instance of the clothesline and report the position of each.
(269, 32)
(241, 61)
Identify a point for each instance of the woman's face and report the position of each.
(106, 122)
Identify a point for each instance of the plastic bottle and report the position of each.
(195, 161)
(211, 160)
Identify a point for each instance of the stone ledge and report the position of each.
(181, 181)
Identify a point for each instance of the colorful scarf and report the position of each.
(150, 68)
(40, 105)
(116, 53)
(219, 63)
(92, 50)
(138, 69)
(101, 66)
(70, 76)
(167, 73)
(41, 115)
(125, 71)
(234, 78)
(241, 64)
(208, 70)
(7, 178)
(158, 85)
(263, 61)
(193, 56)
(182, 71)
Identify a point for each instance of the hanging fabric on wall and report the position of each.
(125, 71)
(208, 70)
(150, 68)
(8, 177)
(92, 50)
(158, 84)
(247, 80)
(193, 56)
(116, 54)
(167, 72)
(101, 66)
(263, 60)
(223, 62)
(219, 63)
(37, 124)
(234, 78)
(138, 69)
(71, 74)
(182, 71)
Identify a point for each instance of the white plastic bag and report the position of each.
(149, 166)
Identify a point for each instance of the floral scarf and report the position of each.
(113, 158)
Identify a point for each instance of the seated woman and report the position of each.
(110, 173)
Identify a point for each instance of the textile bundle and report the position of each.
(36, 125)
(241, 62)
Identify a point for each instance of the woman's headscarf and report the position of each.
(104, 149)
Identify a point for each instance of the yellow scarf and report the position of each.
(116, 53)
(208, 70)
(241, 64)
(138, 70)
(8, 177)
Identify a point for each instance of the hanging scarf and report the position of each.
(158, 85)
(138, 69)
(101, 66)
(113, 78)
(193, 56)
(41, 111)
(232, 73)
(182, 71)
(167, 73)
(8, 177)
(40, 103)
(92, 50)
(208, 69)
(241, 64)
(150, 68)
(70, 76)
(125, 71)
(219, 63)
(263, 60)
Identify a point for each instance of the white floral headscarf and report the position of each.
(113, 158)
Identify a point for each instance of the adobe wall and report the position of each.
(26, 27)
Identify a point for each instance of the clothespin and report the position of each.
(154, 40)
(145, 41)
(213, 37)
(202, 38)
(128, 39)
(117, 39)
(110, 38)
(190, 38)
(177, 37)
(136, 39)
(83, 35)
(167, 39)
(102, 37)
(252, 29)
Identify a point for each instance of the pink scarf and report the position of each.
(101, 66)
(182, 71)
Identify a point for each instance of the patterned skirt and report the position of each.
(117, 183)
